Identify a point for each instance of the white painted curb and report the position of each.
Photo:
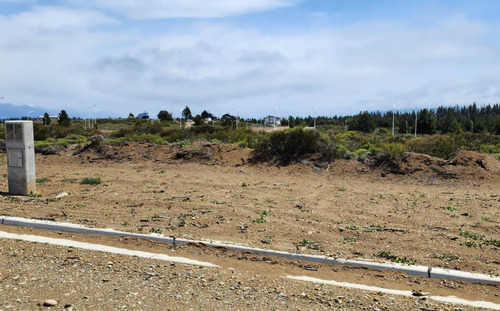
(447, 299)
(104, 248)
(423, 271)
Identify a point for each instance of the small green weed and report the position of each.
(262, 217)
(447, 257)
(451, 208)
(492, 242)
(42, 180)
(155, 230)
(469, 235)
(192, 216)
(471, 244)
(397, 259)
(348, 239)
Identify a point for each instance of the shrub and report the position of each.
(361, 153)
(441, 146)
(289, 144)
(94, 181)
(393, 149)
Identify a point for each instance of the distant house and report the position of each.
(143, 115)
(272, 121)
(53, 119)
(228, 117)
(207, 116)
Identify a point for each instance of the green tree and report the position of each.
(64, 119)
(164, 115)
(198, 120)
(291, 122)
(46, 119)
(364, 122)
(186, 113)
(131, 116)
(449, 124)
(496, 126)
(426, 122)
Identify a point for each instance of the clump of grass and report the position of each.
(308, 244)
(349, 239)
(304, 242)
(451, 208)
(42, 180)
(244, 184)
(447, 257)
(469, 235)
(492, 242)
(397, 259)
(155, 230)
(471, 244)
(93, 181)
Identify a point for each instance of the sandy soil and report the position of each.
(31, 273)
(418, 212)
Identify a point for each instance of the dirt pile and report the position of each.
(97, 147)
(466, 164)
(199, 151)
(212, 153)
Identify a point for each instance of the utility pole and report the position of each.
(314, 119)
(416, 115)
(393, 118)
(275, 115)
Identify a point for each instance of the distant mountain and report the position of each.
(16, 112)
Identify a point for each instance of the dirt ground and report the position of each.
(425, 211)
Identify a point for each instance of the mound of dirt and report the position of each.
(97, 147)
(212, 153)
(199, 151)
(466, 164)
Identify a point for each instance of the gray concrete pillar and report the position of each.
(20, 148)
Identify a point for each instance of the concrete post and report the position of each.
(20, 148)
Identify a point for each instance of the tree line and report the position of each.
(442, 120)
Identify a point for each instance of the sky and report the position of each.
(249, 58)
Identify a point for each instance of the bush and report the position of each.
(289, 144)
(393, 149)
(361, 153)
(94, 181)
(441, 146)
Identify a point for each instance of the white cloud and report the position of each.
(153, 9)
(48, 18)
(54, 57)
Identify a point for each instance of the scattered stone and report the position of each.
(62, 195)
(50, 303)
(418, 293)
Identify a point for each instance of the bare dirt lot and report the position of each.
(425, 211)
